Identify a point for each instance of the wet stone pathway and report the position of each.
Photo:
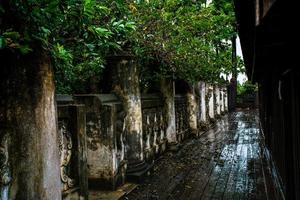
(226, 162)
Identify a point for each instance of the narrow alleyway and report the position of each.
(224, 163)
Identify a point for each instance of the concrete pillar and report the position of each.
(126, 87)
(168, 92)
(217, 100)
(28, 129)
(192, 110)
(202, 88)
(222, 99)
(210, 97)
(225, 99)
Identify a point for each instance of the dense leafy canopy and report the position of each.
(190, 38)
(187, 39)
(78, 34)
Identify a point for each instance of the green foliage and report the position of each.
(246, 88)
(189, 38)
(186, 39)
(79, 34)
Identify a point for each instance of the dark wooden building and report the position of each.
(269, 39)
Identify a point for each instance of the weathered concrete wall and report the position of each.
(168, 93)
(105, 140)
(29, 145)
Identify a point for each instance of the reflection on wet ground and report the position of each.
(224, 163)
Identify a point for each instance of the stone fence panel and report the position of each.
(105, 140)
(181, 117)
(72, 150)
(154, 126)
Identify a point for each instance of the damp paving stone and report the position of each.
(226, 162)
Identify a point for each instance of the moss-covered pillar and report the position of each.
(192, 109)
(202, 88)
(222, 99)
(210, 97)
(203, 122)
(217, 100)
(126, 86)
(225, 99)
(30, 165)
(167, 88)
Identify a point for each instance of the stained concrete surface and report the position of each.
(112, 195)
(224, 163)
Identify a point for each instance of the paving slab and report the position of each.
(226, 162)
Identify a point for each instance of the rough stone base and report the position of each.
(203, 126)
(183, 135)
(138, 171)
(162, 147)
(149, 155)
(109, 184)
(112, 195)
(174, 147)
(212, 120)
(218, 116)
(72, 194)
